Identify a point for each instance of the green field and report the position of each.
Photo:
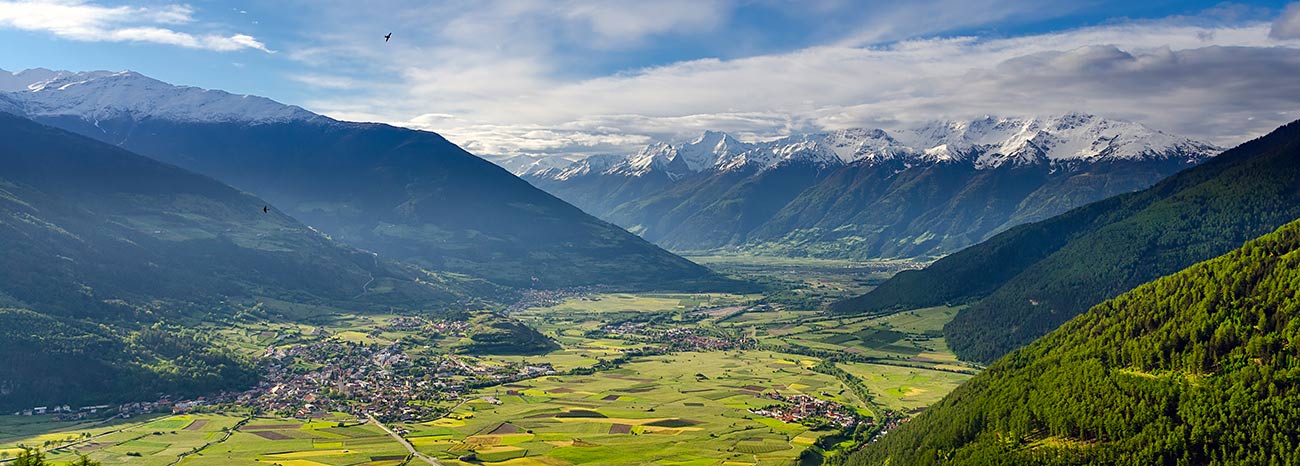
(163, 440)
(653, 410)
(803, 282)
(905, 389)
(622, 302)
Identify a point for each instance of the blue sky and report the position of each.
(570, 78)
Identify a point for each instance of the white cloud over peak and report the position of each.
(1223, 83)
(573, 78)
(90, 22)
(1287, 26)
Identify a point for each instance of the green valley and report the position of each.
(685, 378)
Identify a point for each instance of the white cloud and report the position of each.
(1287, 25)
(499, 84)
(89, 22)
(325, 81)
(619, 21)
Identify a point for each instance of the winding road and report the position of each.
(410, 448)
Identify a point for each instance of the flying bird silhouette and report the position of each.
(266, 209)
(389, 36)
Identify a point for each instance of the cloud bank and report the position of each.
(90, 22)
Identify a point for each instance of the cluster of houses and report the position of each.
(440, 326)
(126, 410)
(309, 380)
(547, 298)
(312, 379)
(679, 338)
(889, 421)
(64, 411)
(805, 409)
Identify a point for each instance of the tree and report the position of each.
(84, 461)
(30, 457)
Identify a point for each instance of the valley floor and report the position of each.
(705, 378)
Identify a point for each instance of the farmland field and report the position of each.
(260, 441)
(687, 408)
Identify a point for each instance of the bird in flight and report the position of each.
(266, 209)
(389, 36)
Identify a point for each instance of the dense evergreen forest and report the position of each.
(1200, 367)
(1029, 280)
(47, 360)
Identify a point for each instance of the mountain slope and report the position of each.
(88, 229)
(1032, 278)
(405, 194)
(1194, 368)
(50, 361)
(102, 248)
(912, 192)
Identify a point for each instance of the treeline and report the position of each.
(1198, 368)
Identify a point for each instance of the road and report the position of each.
(410, 448)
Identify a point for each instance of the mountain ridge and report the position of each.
(920, 192)
(406, 194)
(1026, 281)
(987, 142)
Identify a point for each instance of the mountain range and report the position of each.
(1192, 368)
(405, 194)
(1027, 281)
(106, 250)
(94, 230)
(916, 191)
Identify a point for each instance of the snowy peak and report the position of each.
(659, 157)
(101, 95)
(992, 142)
(522, 164)
(769, 156)
(710, 149)
(596, 164)
(987, 142)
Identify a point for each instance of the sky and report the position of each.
(572, 78)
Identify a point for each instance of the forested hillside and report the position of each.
(1027, 281)
(49, 360)
(1200, 367)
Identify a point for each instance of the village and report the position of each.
(314, 379)
(809, 411)
(678, 338)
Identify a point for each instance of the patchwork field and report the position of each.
(298, 443)
(166, 439)
(912, 337)
(689, 408)
(906, 389)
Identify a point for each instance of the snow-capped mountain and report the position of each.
(520, 164)
(986, 143)
(917, 190)
(404, 194)
(101, 95)
(711, 147)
